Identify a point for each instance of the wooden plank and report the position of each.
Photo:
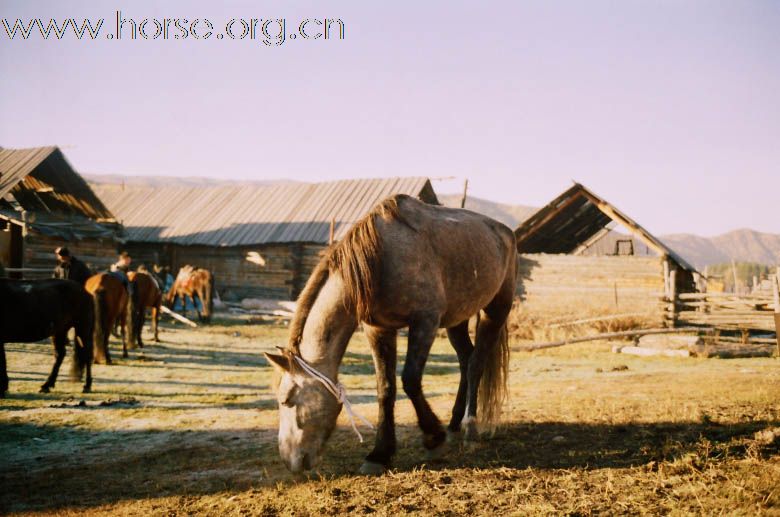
(597, 319)
(643, 351)
(607, 336)
(176, 316)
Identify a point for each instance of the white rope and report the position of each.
(337, 390)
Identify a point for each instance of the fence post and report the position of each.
(776, 295)
(673, 295)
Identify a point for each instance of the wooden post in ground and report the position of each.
(666, 278)
(465, 192)
(616, 296)
(776, 295)
(332, 230)
(666, 293)
(673, 296)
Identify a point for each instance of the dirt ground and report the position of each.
(188, 427)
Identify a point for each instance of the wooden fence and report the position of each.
(757, 311)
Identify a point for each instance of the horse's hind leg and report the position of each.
(489, 335)
(60, 341)
(155, 322)
(422, 332)
(122, 319)
(461, 342)
(82, 347)
(383, 348)
(142, 317)
(3, 371)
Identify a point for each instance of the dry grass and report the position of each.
(532, 324)
(190, 429)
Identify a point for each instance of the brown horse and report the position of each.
(147, 294)
(110, 298)
(406, 264)
(193, 282)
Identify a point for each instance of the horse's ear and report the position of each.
(278, 361)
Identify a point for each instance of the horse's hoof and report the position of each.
(44, 389)
(472, 433)
(437, 452)
(369, 468)
(454, 436)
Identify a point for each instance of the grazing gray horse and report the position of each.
(406, 264)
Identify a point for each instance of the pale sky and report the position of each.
(669, 109)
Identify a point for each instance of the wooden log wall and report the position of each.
(277, 271)
(575, 283)
(98, 254)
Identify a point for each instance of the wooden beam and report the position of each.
(640, 232)
(607, 335)
(179, 317)
(582, 248)
(554, 210)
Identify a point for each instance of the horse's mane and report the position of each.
(357, 258)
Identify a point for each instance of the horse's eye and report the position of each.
(289, 399)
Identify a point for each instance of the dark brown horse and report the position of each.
(195, 283)
(110, 298)
(147, 294)
(31, 310)
(406, 264)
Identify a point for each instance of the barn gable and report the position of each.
(40, 188)
(578, 218)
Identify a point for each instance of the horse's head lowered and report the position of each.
(307, 413)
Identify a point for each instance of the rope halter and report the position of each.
(337, 390)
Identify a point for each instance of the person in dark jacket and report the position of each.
(69, 267)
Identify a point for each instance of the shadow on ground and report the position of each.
(88, 471)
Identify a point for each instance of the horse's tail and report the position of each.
(493, 385)
(493, 389)
(101, 325)
(82, 355)
(83, 340)
(133, 319)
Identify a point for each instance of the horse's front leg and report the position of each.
(60, 341)
(461, 342)
(122, 323)
(3, 371)
(383, 348)
(422, 332)
(198, 303)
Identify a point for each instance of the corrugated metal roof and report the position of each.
(574, 218)
(42, 180)
(241, 215)
(16, 164)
